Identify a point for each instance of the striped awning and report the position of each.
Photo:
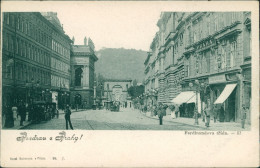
(225, 94)
(184, 97)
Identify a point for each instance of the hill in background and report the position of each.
(120, 63)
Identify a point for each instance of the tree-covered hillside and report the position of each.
(120, 63)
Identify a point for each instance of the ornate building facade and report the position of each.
(82, 64)
(204, 52)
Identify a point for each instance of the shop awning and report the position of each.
(226, 92)
(184, 97)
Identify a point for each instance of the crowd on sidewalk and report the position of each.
(16, 115)
(172, 113)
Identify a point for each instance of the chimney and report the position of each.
(73, 40)
(85, 41)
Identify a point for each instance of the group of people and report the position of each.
(36, 113)
(217, 112)
(13, 113)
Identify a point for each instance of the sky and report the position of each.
(111, 26)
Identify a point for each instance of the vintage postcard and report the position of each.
(129, 84)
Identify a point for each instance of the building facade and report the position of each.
(116, 90)
(36, 57)
(82, 64)
(60, 61)
(208, 53)
(26, 57)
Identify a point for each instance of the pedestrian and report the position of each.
(215, 113)
(67, 117)
(243, 117)
(207, 115)
(161, 112)
(9, 118)
(57, 113)
(30, 112)
(22, 113)
(173, 110)
(15, 112)
(177, 111)
(222, 114)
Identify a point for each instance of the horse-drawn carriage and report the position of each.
(115, 106)
(43, 111)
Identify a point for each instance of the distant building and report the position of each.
(82, 61)
(116, 90)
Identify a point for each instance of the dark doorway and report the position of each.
(231, 107)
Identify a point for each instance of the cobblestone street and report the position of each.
(126, 119)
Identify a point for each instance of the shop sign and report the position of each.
(217, 79)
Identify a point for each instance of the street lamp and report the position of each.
(65, 95)
(199, 87)
(94, 93)
(196, 104)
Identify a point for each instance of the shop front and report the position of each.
(186, 101)
(225, 96)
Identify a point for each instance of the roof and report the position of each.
(84, 49)
(118, 80)
(53, 18)
(81, 48)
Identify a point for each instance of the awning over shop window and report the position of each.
(226, 92)
(184, 97)
(187, 97)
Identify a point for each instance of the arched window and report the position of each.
(78, 75)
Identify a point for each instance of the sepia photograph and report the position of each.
(195, 74)
(129, 84)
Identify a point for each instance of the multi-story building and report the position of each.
(82, 64)
(60, 61)
(207, 53)
(36, 57)
(26, 57)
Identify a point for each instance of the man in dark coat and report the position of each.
(161, 112)
(9, 120)
(22, 113)
(67, 117)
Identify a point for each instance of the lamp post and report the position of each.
(76, 98)
(196, 104)
(94, 93)
(199, 87)
(64, 99)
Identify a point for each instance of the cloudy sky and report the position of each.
(110, 26)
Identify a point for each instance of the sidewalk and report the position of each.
(72, 111)
(17, 124)
(218, 126)
(26, 123)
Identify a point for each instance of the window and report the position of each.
(78, 76)
(233, 53)
(208, 61)
(26, 28)
(215, 22)
(7, 18)
(29, 51)
(17, 46)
